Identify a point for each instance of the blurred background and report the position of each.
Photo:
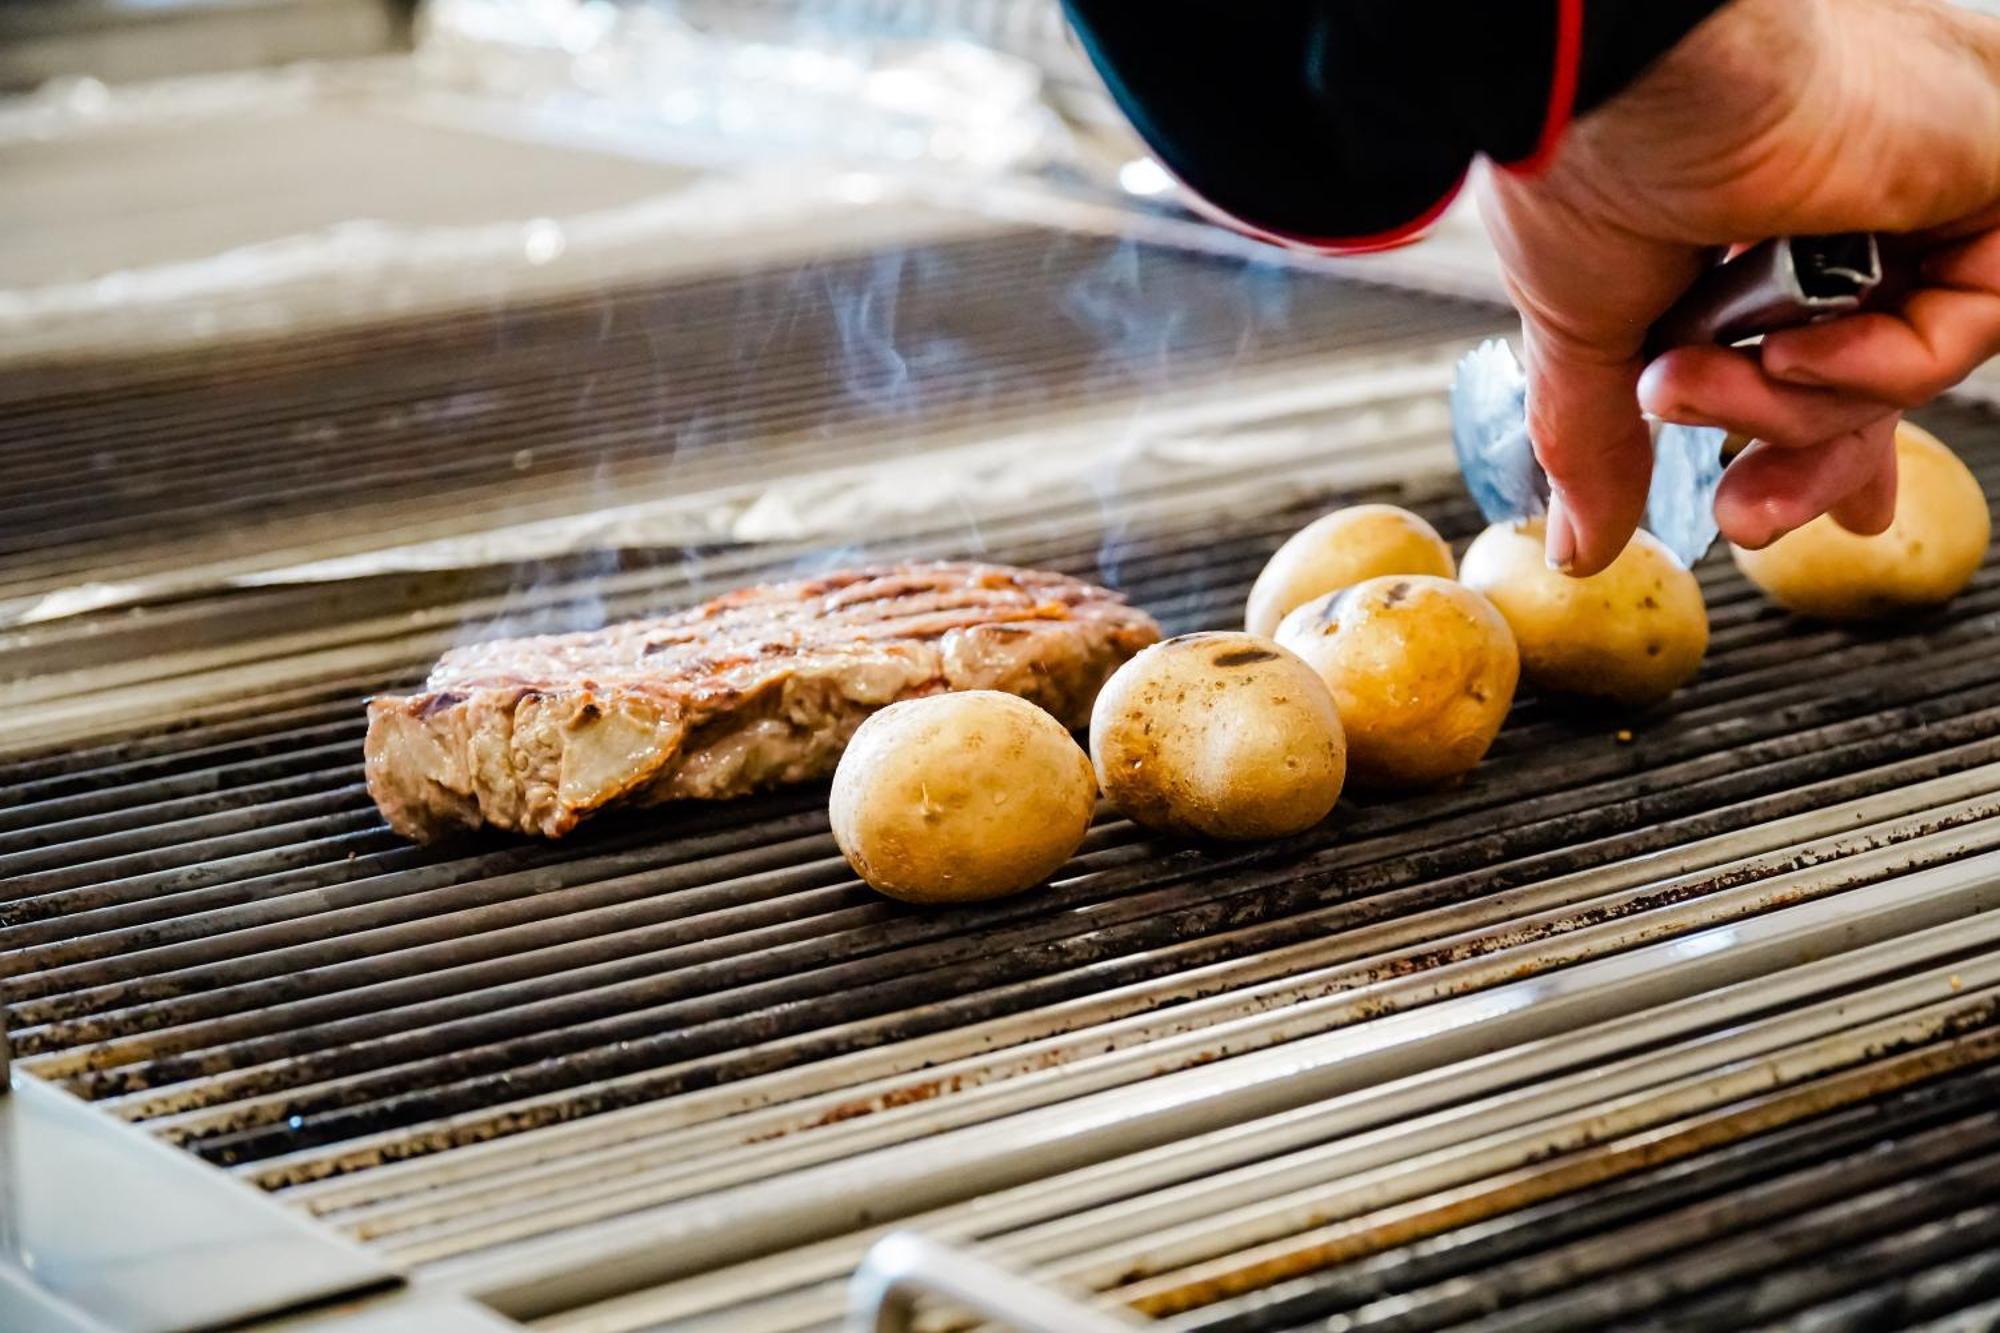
(312, 290)
(317, 292)
(196, 168)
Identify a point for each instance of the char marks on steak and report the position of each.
(759, 688)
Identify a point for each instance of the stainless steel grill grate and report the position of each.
(1903, 1186)
(465, 422)
(1695, 1025)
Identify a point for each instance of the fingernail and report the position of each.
(1559, 538)
(1682, 415)
(1797, 372)
(1762, 526)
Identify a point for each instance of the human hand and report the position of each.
(1774, 117)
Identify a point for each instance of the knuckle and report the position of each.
(1925, 385)
(1909, 394)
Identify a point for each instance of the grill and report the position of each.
(1682, 1021)
(243, 459)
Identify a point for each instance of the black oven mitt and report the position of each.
(1349, 124)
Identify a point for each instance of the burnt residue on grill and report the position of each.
(1584, 1165)
(1603, 1238)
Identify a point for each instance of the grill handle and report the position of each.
(1777, 284)
(881, 1298)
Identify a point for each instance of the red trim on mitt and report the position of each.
(1562, 89)
(1390, 239)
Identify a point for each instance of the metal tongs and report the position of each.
(1778, 284)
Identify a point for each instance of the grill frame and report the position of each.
(1765, 804)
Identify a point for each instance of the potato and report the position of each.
(1422, 670)
(1340, 549)
(1218, 736)
(959, 797)
(1930, 552)
(1630, 635)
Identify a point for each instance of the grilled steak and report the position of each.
(759, 688)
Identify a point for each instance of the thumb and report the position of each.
(1584, 419)
(1588, 290)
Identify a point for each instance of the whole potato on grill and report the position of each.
(1630, 635)
(1423, 672)
(1930, 552)
(1218, 736)
(959, 797)
(1339, 549)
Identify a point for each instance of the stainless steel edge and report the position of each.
(137, 1236)
(28, 1308)
(904, 1264)
(405, 1310)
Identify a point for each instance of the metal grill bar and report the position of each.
(1896, 1301)
(810, 1204)
(1851, 1225)
(1973, 1319)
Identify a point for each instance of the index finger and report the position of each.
(1939, 334)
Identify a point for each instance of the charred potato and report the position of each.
(1218, 736)
(1340, 549)
(1630, 635)
(960, 797)
(1422, 670)
(1930, 552)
